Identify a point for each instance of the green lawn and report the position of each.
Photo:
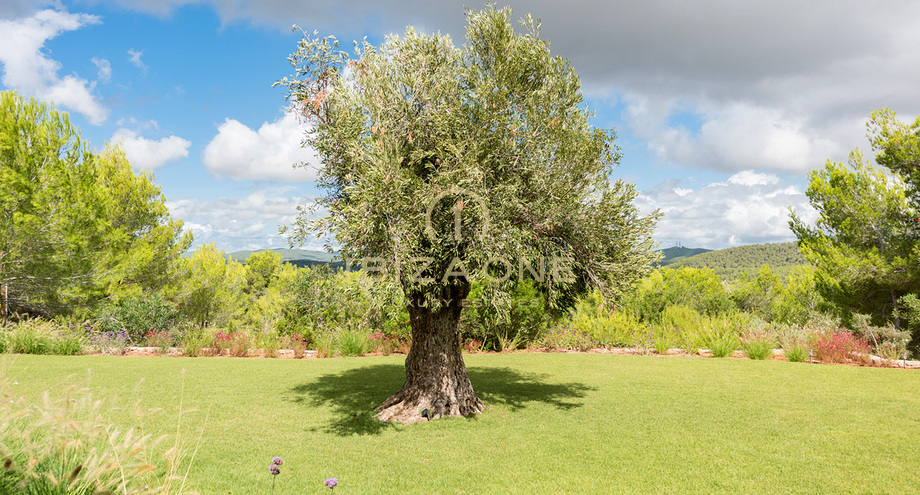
(556, 423)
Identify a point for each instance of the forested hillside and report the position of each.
(730, 263)
(679, 253)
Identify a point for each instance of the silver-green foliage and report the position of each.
(421, 139)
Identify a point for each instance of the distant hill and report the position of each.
(299, 257)
(679, 253)
(730, 263)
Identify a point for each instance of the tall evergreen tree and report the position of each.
(74, 226)
(861, 245)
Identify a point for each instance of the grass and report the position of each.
(556, 423)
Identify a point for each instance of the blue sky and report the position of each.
(721, 107)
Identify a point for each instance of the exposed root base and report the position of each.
(402, 409)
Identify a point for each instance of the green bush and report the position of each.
(606, 328)
(723, 345)
(136, 316)
(41, 337)
(796, 353)
(504, 319)
(318, 302)
(758, 347)
(352, 343)
(566, 337)
(698, 288)
(198, 343)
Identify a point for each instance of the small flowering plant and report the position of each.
(275, 469)
(161, 339)
(838, 346)
(331, 482)
(222, 342)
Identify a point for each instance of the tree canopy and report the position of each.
(864, 243)
(442, 164)
(75, 225)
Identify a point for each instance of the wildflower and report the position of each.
(275, 467)
(331, 482)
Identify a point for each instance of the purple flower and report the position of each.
(275, 467)
(331, 482)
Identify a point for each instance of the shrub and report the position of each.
(318, 302)
(239, 346)
(382, 343)
(723, 345)
(566, 337)
(296, 344)
(351, 343)
(838, 346)
(222, 342)
(606, 328)
(68, 344)
(136, 317)
(26, 340)
(887, 342)
(269, 343)
(161, 339)
(698, 288)
(197, 343)
(112, 342)
(758, 346)
(41, 337)
(796, 353)
(504, 320)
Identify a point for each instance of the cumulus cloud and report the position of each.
(736, 136)
(747, 208)
(778, 85)
(250, 222)
(150, 154)
(27, 68)
(268, 153)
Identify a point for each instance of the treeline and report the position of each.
(88, 243)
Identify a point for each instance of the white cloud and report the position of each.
(747, 208)
(778, 85)
(134, 56)
(751, 178)
(249, 222)
(737, 136)
(146, 153)
(28, 69)
(103, 69)
(268, 153)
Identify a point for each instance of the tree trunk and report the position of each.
(436, 378)
(897, 316)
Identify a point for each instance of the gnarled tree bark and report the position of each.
(436, 377)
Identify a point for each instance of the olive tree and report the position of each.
(442, 164)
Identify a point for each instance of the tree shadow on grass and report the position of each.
(353, 394)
